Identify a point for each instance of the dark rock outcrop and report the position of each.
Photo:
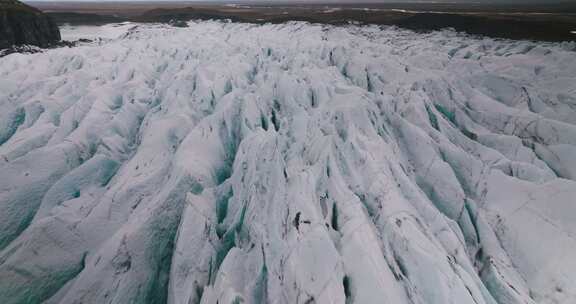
(74, 18)
(22, 24)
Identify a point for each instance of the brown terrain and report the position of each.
(546, 22)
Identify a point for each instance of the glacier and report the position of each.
(289, 163)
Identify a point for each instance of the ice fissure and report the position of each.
(289, 163)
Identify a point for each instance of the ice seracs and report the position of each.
(290, 163)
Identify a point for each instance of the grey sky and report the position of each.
(338, 1)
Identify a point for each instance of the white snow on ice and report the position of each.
(108, 31)
(292, 163)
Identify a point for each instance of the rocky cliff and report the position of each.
(22, 24)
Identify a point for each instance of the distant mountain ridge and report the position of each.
(22, 24)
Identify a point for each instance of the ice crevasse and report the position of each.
(290, 163)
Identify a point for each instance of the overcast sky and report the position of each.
(344, 1)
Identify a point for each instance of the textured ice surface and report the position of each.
(108, 31)
(294, 163)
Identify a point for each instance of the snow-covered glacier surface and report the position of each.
(294, 163)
